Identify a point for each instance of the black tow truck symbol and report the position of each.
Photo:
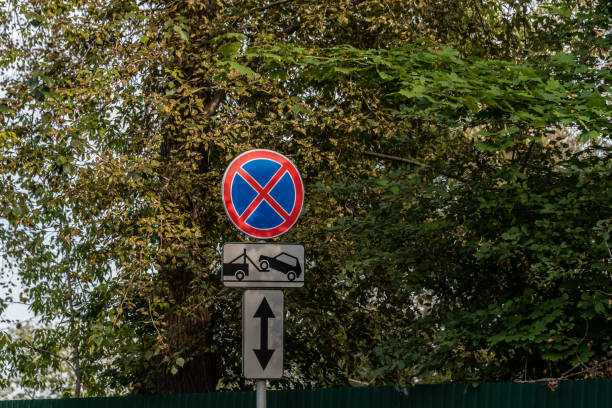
(283, 262)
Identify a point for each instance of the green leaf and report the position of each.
(241, 69)
(384, 76)
(485, 147)
(344, 70)
(230, 36)
(562, 59)
(229, 49)
(414, 92)
(181, 32)
(587, 136)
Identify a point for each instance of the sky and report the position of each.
(15, 312)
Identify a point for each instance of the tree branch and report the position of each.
(293, 28)
(396, 158)
(212, 107)
(51, 353)
(270, 5)
(413, 162)
(527, 156)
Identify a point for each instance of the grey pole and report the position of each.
(260, 390)
(261, 393)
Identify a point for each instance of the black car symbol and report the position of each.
(239, 269)
(283, 262)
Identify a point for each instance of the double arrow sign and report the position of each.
(262, 345)
(264, 354)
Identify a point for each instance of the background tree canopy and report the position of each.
(456, 160)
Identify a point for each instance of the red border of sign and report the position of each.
(226, 186)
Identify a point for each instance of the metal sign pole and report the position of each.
(260, 390)
(261, 393)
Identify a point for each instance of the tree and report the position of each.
(34, 365)
(495, 245)
(119, 118)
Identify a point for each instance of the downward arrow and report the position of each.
(264, 354)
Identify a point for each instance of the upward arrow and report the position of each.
(264, 354)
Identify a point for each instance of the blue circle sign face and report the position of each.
(263, 193)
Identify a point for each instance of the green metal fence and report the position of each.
(568, 394)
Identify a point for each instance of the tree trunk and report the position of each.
(188, 326)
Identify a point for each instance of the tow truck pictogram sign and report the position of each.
(263, 265)
(262, 193)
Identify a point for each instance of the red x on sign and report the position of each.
(263, 193)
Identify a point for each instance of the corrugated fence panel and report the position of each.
(568, 394)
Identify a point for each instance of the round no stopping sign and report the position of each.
(263, 193)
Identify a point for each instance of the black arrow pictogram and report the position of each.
(264, 354)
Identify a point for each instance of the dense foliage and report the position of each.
(456, 158)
